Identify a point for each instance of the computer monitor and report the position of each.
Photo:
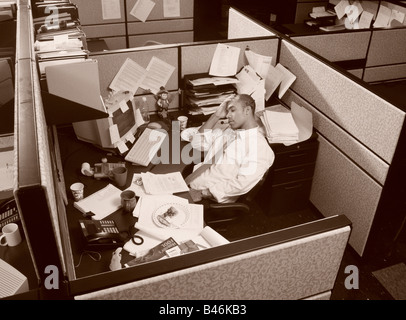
(111, 132)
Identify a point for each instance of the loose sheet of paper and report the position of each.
(111, 9)
(129, 77)
(340, 8)
(382, 19)
(258, 62)
(6, 170)
(171, 8)
(287, 79)
(164, 183)
(252, 84)
(142, 9)
(272, 81)
(158, 74)
(225, 61)
(365, 20)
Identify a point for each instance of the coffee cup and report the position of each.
(11, 235)
(119, 175)
(128, 201)
(77, 190)
(182, 122)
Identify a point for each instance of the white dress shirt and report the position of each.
(246, 157)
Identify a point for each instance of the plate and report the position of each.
(162, 216)
(188, 133)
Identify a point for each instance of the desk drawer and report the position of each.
(289, 174)
(295, 157)
(288, 197)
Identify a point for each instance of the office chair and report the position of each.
(220, 215)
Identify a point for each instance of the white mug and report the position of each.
(11, 235)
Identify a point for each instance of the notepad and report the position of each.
(101, 203)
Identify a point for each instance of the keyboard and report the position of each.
(146, 147)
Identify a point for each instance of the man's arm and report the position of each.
(221, 113)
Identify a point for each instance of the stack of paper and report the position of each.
(280, 125)
(186, 223)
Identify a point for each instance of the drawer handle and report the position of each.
(297, 155)
(295, 171)
(293, 187)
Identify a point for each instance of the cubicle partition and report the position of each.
(259, 267)
(359, 134)
(373, 55)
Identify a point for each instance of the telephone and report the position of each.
(103, 170)
(102, 234)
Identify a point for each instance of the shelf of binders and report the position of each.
(203, 94)
(60, 39)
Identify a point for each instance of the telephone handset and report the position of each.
(102, 234)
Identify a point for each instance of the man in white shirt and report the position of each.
(240, 155)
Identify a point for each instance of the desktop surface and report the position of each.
(75, 152)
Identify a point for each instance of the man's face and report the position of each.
(237, 114)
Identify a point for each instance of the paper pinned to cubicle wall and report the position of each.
(158, 73)
(383, 17)
(142, 9)
(258, 62)
(225, 61)
(111, 9)
(171, 8)
(129, 77)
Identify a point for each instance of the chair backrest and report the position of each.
(250, 195)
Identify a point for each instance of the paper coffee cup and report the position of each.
(77, 190)
(182, 122)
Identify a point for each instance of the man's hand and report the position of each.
(195, 194)
(221, 111)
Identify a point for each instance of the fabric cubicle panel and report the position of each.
(386, 56)
(186, 8)
(298, 269)
(337, 46)
(241, 26)
(110, 63)
(197, 58)
(93, 13)
(358, 127)
(35, 179)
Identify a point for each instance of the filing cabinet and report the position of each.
(289, 182)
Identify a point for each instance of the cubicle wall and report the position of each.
(110, 63)
(119, 28)
(358, 135)
(303, 268)
(35, 186)
(373, 55)
(348, 49)
(241, 26)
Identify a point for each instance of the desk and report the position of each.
(73, 154)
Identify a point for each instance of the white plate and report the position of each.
(188, 133)
(177, 221)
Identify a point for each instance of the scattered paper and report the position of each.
(111, 9)
(258, 62)
(272, 81)
(397, 17)
(340, 8)
(137, 185)
(164, 183)
(171, 8)
(114, 134)
(225, 61)
(129, 77)
(353, 11)
(365, 20)
(6, 170)
(122, 147)
(142, 9)
(157, 75)
(252, 84)
(287, 79)
(382, 19)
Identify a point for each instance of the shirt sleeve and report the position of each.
(236, 186)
